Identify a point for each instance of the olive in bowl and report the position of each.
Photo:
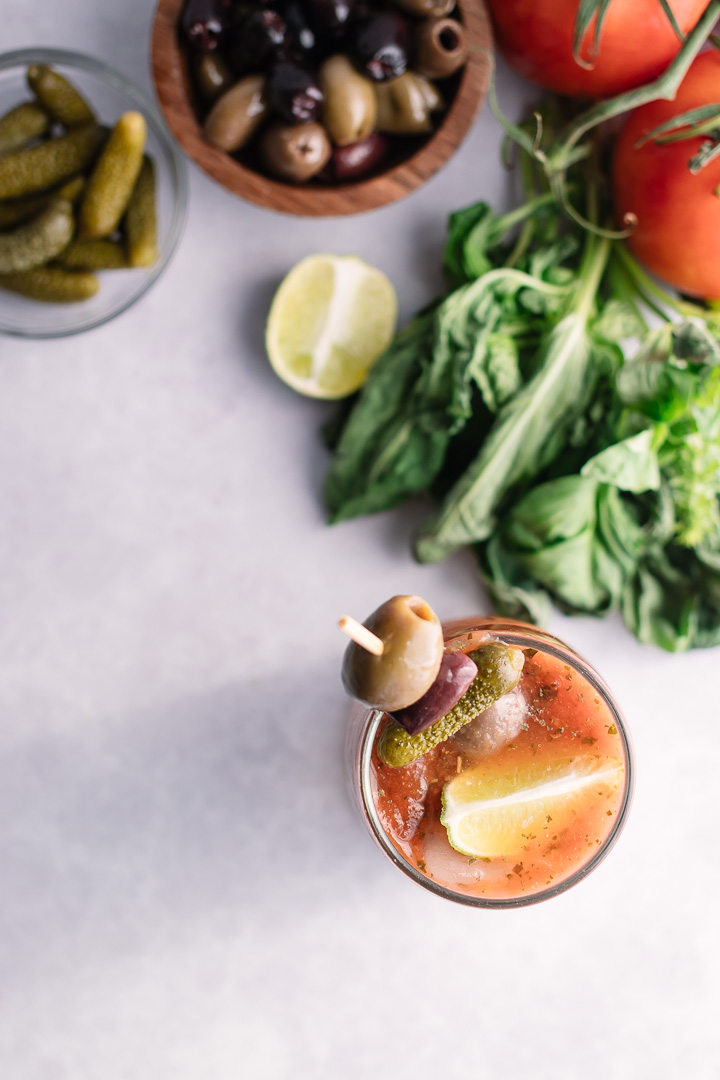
(367, 166)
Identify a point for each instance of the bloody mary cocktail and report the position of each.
(518, 804)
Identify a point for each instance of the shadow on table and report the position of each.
(227, 807)
(254, 307)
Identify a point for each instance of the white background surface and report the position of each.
(185, 893)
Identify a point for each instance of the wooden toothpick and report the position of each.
(361, 635)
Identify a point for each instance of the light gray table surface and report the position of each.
(185, 891)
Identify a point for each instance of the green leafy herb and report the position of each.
(574, 449)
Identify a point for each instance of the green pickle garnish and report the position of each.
(499, 670)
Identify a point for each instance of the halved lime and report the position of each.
(488, 812)
(329, 321)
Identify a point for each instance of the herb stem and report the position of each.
(649, 289)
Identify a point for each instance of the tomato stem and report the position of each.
(665, 86)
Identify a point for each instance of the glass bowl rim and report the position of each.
(525, 635)
(175, 160)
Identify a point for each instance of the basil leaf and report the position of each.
(526, 436)
(631, 465)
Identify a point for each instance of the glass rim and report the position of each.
(174, 160)
(524, 635)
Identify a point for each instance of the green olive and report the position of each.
(350, 108)
(212, 76)
(413, 648)
(295, 152)
(235, 116)
(440, 48)
(406, 103)
(427, 9)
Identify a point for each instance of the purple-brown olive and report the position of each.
(205, 22)
(255, 40)
(356, 159)
(457, 671)
(295, 152)
(440, 48)
(380, 45)
(330, 17)
(294, 93)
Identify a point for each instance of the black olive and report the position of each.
(380, 45)
(302, 39)
(331, 17)
(255, 40)
(294, 92)
(205, 22)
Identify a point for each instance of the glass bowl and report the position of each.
(110, 94)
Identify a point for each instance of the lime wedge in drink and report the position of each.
(331, 318)
(489, 812)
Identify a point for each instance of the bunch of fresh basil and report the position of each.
(576, 475)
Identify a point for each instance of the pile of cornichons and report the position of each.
(74, 197)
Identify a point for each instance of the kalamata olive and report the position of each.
(357, 159)
(405, 105)
(440, 48)
(301, 37)
(380, 45)
(330, 16)
(255, 39)
(295, 152)
(294, 92)
(212, 76)
(350, 103)
(427, 9)
(456, 673)
(235, 117)
(205, 22)
(413, 649)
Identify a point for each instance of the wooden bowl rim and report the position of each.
(170, 88)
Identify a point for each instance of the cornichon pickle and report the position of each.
(112, 180)
(94, 255)
(39, 240)
(72, 190)
(141, 219)
(21, 125)
(52, 284)
(19, 210)
(59, 97)
(499, 670)
(50, 163)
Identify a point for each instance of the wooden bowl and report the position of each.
(423, 158)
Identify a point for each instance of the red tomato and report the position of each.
(678, 230)
(637, 43)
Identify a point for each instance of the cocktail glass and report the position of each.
(365, 725)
